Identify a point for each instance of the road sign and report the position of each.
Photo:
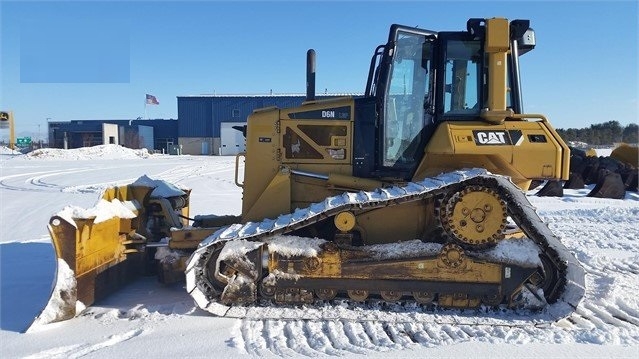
(23, 141)
(5, 122)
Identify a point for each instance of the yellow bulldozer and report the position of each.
(409, 193)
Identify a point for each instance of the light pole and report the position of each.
(48, 119)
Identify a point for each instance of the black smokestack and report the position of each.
(310, 75)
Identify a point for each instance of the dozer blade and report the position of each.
(100, 249)
(551, 189)
(631, 179)
(609, 185)
(575, 181)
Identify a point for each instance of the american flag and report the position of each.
(151, 100)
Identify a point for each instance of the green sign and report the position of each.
(23, 141)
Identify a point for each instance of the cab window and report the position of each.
(462, 78)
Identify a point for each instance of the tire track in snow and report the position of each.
(589, 324)
(378, 335)
(606, 241)
(78, 351)
(34, 183)
(357, 335)
(418, 334)
(297, 339)
(277, 339)
(42, 181)
(317, 339)
(252, 336)
(341, 337)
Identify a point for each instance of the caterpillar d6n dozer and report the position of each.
(411, 192)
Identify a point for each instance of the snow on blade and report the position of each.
(105, 210)
(161, 188)
(102, 211)
(62, 304)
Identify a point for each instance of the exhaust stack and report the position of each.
(310, 75)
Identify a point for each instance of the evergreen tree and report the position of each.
(630, 133)
(602, 134)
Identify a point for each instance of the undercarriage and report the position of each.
(469, 259)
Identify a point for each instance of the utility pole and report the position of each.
(48, 132)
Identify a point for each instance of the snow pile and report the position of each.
(4, 150)
(89, 153)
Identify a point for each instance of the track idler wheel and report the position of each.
(213, 286)
(474, 217)
(235, 279)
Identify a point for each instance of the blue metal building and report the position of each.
(85, 133)
(197, 130)
(200, 117)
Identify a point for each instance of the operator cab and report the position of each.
(420, 79)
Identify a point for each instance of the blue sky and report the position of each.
(77, 60)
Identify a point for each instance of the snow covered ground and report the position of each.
(147, 319)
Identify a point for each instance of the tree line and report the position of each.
(607, 133)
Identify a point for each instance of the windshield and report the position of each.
(406, 97)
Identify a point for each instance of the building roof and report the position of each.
(276, 95)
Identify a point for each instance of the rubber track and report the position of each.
(571, 276)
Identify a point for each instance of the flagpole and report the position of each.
(145, 115)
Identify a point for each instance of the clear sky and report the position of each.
(80, 60)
